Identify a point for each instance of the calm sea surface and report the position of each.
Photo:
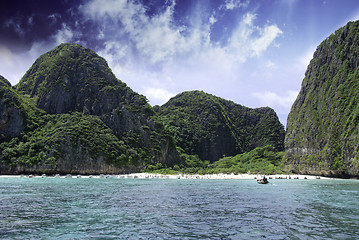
(63, 208)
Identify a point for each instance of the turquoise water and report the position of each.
(63, 208)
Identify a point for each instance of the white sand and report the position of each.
(180, 176)
(219, 176)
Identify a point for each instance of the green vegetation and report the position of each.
(70, 111)
(72, 134)
(322, 131)
(211, 127)
(261, 160)
(69, 105)
(13, 107)
(60, 134)
(70, 101)
(73, 78)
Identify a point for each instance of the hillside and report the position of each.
(211, 127)
(70, 114)
(98, 124)
(68, 143)
(17, 113)
(322, 129)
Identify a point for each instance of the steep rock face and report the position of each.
(67, 143)
(71, 78)
(211, 127)
(72, 89)
(14, 114)
(322, 129)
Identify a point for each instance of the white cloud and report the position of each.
(304, 59)
(63, 35)
(281, 103)
(155, 37)
(101, 35)
(249, 40)
(267, 36)
(249, 18)
(11, 23)
(158, 57)
(13, 66)
(158, 96)
(54, 18)
(300, 64)
(159, 39)
(113, 52)
(270, 64)
(212, 19)
(232, 4)
(30, 20)
(354, 17)
(6, 56)
(275, 100)
(99, 8)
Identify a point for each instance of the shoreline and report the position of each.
(177, 176)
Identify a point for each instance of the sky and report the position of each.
(252, 52)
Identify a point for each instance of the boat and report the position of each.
(263, 180)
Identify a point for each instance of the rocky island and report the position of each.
(70, 114)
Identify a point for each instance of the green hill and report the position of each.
(98, 124)
(322, 129)
(17, 113)
(211, 127)
(70, 114)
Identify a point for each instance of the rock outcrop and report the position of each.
(98, 124)
(322, 130)
(211, 127)
(15, 112)
(71, 78)
(70, 114)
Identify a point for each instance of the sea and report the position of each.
(113, 208)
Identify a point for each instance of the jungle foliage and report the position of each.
(70, 104)
(70, 101)
(211, 127)
(261, 160)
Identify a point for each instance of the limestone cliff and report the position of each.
(322, 130)
(212, 127)
(68, 143)
(97, 123)
(16, 112)
(71, 78)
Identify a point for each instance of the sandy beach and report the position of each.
(179, 176)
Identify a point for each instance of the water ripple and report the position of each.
(177, 209)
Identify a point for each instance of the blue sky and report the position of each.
(254, 53)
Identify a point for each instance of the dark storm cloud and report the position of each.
(23, 22)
